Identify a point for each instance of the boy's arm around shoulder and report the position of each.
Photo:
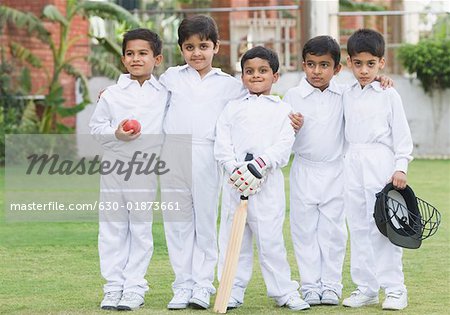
(401, 134)
(277, 155)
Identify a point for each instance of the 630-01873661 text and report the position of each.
(100, 206)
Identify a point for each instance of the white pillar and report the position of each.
(323, 18)
(411, 21)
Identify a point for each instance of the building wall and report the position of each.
(79, 27)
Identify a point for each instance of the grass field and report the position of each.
(52, 268)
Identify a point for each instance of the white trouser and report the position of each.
(375, 261)
(192, 236)
(317, 222)
(125, 240)
(265, 218)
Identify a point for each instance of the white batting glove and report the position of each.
(248, 178)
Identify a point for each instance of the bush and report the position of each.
(430, 60)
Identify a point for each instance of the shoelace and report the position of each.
(129, 296)
(356, 292)
(112, 296)
(394, 295)
(204, 292)
(183, 292)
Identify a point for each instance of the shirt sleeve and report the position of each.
(224, 151)
(401, 135)
(100, 124)
(277, 155)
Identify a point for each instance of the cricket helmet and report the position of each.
(402, 217)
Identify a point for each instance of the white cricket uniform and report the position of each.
(379, 143)
(195, 105)
(261, 126)
(125, 238)
(317, 215)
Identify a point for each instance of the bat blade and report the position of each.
(231, 258)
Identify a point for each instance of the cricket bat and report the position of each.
(232, 255)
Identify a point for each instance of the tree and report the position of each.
(54, 101)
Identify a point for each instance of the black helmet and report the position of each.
(402, 217)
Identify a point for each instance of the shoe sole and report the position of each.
(109, 308)
(330, 302)
(127, 308)
(232, 307)
(301, 308)
(315, 302)
(198, 304)
(361, 305)
(177, 306)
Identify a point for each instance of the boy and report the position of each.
(379, 149)
(259, 124)
(198, 94)
(317, 218)
(125, 239)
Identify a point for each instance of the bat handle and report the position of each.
(248, 157)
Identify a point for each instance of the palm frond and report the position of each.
(110, 46)
(104, 67)
(20, 52)
(109, 11)
(52, 13)
(26, 21)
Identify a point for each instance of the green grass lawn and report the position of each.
(52, 268)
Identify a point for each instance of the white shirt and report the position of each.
(373, 115)
(321, 139)
(129, 100)
(254, 124)
(195, 102)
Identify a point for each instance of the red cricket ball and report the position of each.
(132, 124)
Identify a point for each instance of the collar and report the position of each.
(273, 98)
(213, 71)
(375, 85)
(306, 89)
(125, 81)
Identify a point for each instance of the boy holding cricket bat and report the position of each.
(259, 124)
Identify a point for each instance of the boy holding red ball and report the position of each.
(125, 240)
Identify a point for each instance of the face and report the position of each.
(199, 53)
(139, 60)
(320, 70)
(365, 67)
(258, 77)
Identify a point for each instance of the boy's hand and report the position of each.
(385, 81)
(125, 135)
(100, 94)
(399, 180)
(297, 120)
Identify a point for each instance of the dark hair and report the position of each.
(366, 40)
(202, 25)
(322, 45)
(263, 53)
(145, 34)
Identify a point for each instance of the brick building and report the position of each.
(79, 27)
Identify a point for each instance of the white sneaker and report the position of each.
(180, 299)
(295, 303)
(111, 300)
(233, 303)
(200, 298)
(395, 301)
(358, 299)
(130, 301)
(312, 298)
(329, 297)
